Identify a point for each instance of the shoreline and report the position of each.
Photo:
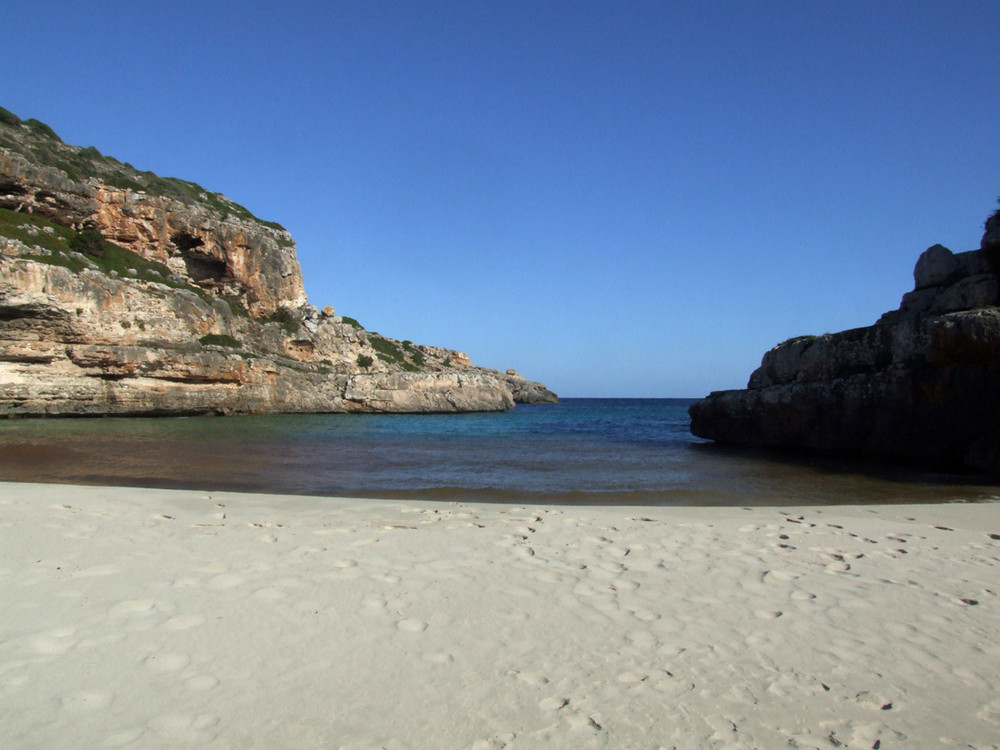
(158, 618)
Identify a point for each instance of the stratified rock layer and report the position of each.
(922, 384)
(210, 317)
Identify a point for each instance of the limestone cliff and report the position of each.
(922, 384)
(125, 293)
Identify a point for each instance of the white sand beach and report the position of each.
(147, 618)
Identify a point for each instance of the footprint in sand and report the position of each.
(632, 677)
(439, 657)
(531, 678)
(88, 700)
(184, 622)
(123, 737)
(270, 594)
(374, 602)
(183, 728)
(98, 570)
(642, 639)
(225, 581)
(767, 614)
(782, 575)
(201, 683)
(554, 703)
(497, 742)
(54, 642)
(579, 721)
(136, 608)
(166, 662)
(411, 626)
(644, 614)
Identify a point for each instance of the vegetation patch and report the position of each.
(385, 349)
(351, 322)
(364, 361)
(35, 230)
(89, 242)
(126, 263)
(9, 118)
(391, 352)
(286, 319)
(220, 339)
(40, 128)
(415, 354)
(799, 340)
(236, 306)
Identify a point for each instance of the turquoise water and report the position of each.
(627, 451)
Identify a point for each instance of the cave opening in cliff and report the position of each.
(201, 267)
(205, 269)
(186, 241)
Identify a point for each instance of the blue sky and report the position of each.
(615, 198)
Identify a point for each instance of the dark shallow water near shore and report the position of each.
(588, 451)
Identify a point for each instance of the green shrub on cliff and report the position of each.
(286, 319)
(9, 118)
(40, 128)
(219, 339)
(88, 242)
(364, 361)
(32, 229)
(415, 354)
(385, 349)
(389, 351)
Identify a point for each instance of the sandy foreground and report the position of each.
(149, 618)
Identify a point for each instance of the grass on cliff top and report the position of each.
(389, 351)
(39, 143)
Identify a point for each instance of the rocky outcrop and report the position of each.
(226, 253)
(921, 385)
(189, 305)
(528, 391)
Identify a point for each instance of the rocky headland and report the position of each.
(920, 385)
(122, 292)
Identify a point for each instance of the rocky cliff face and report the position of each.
(922, 384)
(184, 304)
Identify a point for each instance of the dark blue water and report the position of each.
(628, 451)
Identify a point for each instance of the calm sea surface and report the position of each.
(627, 451)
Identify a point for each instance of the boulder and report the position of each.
(935, 266)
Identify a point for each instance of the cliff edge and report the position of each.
(920, 385)
(122, 292)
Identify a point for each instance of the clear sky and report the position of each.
(615, 198)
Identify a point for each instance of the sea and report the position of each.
(579, 451)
